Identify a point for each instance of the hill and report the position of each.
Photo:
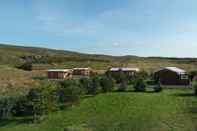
(43, 58)
(21, 53)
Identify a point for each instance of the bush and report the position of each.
(122, 86)
(84, 84)
(140, 85)
(6, 107)
(26, 66)
(69, 91)
(192, 74)
(158, 88)
(42, 100)
(91, 85)
(118, 76)
(195, 88)
(23, 107)
(107, 84)
(95, 86)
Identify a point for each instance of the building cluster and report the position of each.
(166, 75)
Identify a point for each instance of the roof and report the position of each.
(174, 69)
(130, 69)
(114, 69)
(125, 69)
(59, 70)
(81, 68)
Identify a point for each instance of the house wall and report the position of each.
(81, 72)
(58, 75)
(167, 77)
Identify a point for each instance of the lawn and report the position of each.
(170, 110)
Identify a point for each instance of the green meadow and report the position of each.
(169, 110)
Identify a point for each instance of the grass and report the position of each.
(170, 110)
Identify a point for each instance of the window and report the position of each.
(184, 77)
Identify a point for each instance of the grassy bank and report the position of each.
(170, 110)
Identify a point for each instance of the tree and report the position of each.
(107, 84)
(192, 74)
(42, 100)
(139, 85)
(70, 91)
(95, 86)
(85, 84)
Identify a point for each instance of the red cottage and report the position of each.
(59, 74)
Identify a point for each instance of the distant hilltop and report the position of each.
(14, 55)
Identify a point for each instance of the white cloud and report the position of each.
(116, 44)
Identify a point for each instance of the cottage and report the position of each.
(172, 76)
(129, 72)
(82, 71)
(59, 73)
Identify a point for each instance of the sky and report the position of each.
(113, 27)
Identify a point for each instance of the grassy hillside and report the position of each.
(171, 110)
(43, 58)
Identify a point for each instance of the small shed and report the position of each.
(172, 76)
(82, 71)
(59, 73)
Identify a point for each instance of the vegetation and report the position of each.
(193, 74)
(107, 84)
(140, 85)
(168, 110)
(42, 58)
(158, 88)
(195, 88)
(70, 91)
(26, 66)
(27, 95)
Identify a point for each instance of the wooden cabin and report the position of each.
(59, 74)
(172, 76)
(128, 72)
(82, 71)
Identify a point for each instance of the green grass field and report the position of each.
(170, 110)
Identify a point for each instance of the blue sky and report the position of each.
(115, 27)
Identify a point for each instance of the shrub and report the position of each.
(158, 88)
(95, 86)
(84, 84)
(69, 91)
(107, 84)
(6, 107)
(26, 66)
(192, 74)
(42, 100)
(140, 85)
(118, 76)
(122, 86)
(195, 88)
(23, 107)
(91, 85)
